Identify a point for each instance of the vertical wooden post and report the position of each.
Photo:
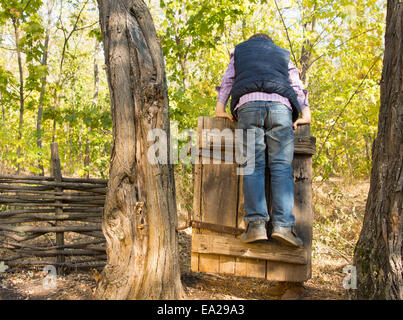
(57, 174)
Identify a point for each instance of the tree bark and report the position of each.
(378, 254)
(306, 50)
(44, 63)
(3, 110)
(87, 157)
(140, 217)
(21, 91)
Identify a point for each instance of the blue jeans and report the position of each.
(272, 124)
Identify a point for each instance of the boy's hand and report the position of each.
(224, 115)
(220, 112)
(305, 118)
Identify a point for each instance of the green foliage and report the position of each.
(191, 32)
(18, 9)
(83, 124)
(341, 40)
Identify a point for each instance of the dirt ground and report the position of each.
(339, 209)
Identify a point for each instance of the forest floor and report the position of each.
(339, 208)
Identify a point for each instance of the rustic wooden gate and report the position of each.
(52, 220)
(218, 213)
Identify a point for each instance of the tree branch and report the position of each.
(286, 31)
(352, 38)
(345, 106)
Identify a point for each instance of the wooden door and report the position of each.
(218, 212)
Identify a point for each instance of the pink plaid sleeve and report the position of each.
(227, 82)
(296, 83)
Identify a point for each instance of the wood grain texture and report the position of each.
(57, 174)
(230, 246)
(379, 251)
(140, 216)
(218, 199)
(216, 208)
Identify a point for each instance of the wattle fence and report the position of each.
(52, 220)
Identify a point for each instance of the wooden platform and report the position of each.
(219, 211)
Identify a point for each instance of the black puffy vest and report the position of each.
(261, 66)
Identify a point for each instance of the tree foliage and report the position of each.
(68, 95)
(337, 46)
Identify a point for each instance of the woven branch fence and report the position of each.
(52, 220)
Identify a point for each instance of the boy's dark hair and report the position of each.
(261, 35)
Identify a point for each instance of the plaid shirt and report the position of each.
(229, 79)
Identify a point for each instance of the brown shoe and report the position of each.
(287, 236)
(255, 231)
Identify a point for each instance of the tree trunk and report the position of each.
(21, 91)
(87, 157)
(378, 254)
(140, 218)
(306, 50)
(70, 142)
(44, 63)
(3, 110)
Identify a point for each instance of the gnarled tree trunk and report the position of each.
(378, 254)
(140, 211)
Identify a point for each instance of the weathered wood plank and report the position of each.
(246, 267)
(194, 262)
(214, 244)
(42, 198)
(57, 174)
(198, 168)
(209, 181)
(215, 179)
(209, 263)
(256, 268)
(197, 184)
(219, 188)
(42, 178)
(219, 194)
(241, 209)
(302, 165)
(47, 229)
(241, 267)
(44, 217)
(227, 264)
(304, 145)
(282, 271)
(64, 185)
(224, 138)
(222, 190)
